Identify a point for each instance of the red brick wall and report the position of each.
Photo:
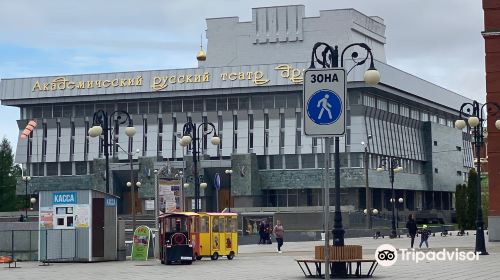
(492, 48)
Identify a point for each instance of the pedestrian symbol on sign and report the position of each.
(324, 107)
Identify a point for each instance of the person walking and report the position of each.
(262, 228)
(424, 236)
(411, 225)
(279, 233)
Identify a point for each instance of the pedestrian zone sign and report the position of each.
(324, 102)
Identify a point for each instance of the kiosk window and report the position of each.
(60, 221)
(69, 221)
(60, 210)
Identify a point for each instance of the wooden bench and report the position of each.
(9, 260)
(317, 271)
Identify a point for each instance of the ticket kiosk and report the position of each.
(77, 225)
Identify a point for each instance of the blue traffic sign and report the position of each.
(324, 107)
(217, 181)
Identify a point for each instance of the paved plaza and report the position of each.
(263, 262)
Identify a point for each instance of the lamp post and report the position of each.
(101, 124)
(368, 196)
(229, 172)
(330, 59)
(476, 115)
(32, 201)
(26, 179)
(393, 165)
(400, 202)
(191, 134)
(132, 187)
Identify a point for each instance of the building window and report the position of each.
(381, 104)
(66, 168)
(282, 130)
(72, 140)
(81, 168)
(308, 161)
(257, 102)
(174, 137)
(44, 141)
(435, 143)
(86, 144)
(276, 162)
(424, 117)
(58, 140)
(369, 101)
(436, 170)
(404, 111)
(393, 108)
(220, 125)
(292, 161)
(144, 136)
(52, 169)
(159, 146)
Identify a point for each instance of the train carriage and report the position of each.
(218, 235)
(179, 237)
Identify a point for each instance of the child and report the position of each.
(424, 235)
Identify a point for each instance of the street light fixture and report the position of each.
(229, 172)
(191, 132)
(394, 166)
(367, 186)
(475, 114)
(101, 121)
(330, 59)
(26, 179)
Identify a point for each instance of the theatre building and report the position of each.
(250, 88)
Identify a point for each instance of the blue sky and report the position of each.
(439, 41)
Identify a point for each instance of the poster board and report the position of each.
(169, 194)
(140, 243)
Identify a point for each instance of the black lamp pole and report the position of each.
(330, 59)
(476, 118)
(190, 130)
(101, 119)
(392, 164)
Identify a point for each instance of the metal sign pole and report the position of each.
(326, 210)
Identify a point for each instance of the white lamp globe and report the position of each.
(28, 178)
(95, 131)
(129, 184)
(400, 200)
(460, 124)
(365, 211)
(33, 200)
(473, 121)
(203, 185)
(380, 169)
(497, 124)
(186, 185)
(391, 200)
(375, 212)
(215, 140)
(372, 77)
(138, 184)
(130, 131)
(185, 140)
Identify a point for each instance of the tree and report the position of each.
(471, 208)
(8, 174)
(461, 205)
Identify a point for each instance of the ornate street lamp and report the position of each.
(394, 166)
(330, 59)
(26, 179)
(474, 115)
(229, 172)
(101, 124)
(191, 135)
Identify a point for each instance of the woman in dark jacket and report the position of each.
(411, 225)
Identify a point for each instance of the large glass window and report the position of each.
(276, 161)
(308, 160)
(257, 102)
(292, 161)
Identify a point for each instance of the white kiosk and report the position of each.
(77, 226)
